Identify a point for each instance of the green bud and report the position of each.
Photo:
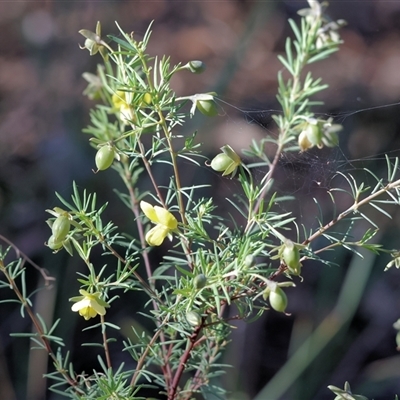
(197, 67)
(249, 261)
(220, 162)
(104, 157)
(278, 299)
(60, 228)
(193, 318)
(200, 281)
(147, 98)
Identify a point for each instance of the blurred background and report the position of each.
(43, 149)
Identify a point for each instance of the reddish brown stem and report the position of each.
(182, 363)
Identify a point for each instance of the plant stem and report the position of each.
(105, 342)
(182, 362)
(357, 204)
(46, 343)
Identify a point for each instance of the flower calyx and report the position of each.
(345, 393)
(205, 103)
(226, 162)
(93, 41)
(317, 132)
(276, 296)
(195, 66)
(60, 228)
(289, 255)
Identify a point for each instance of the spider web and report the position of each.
(308, 176)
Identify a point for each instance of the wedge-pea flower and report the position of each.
(164, 220)
(88, 305)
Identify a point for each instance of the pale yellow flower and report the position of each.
(164, 220)
(89, 304)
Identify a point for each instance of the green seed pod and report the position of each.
(193, 318)
(207, 107)
(221, 162)
(200, 281)
(104, 157)
(53, 244)
(60, 228)
(291, 257)
(278, 300)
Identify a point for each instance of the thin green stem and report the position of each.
(150, 174)
(126, 177)
(357, 204)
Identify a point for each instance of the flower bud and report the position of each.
(193, 318)
(147, 98)
(200, 281)
(104, 157)
(249, 261)
(196, 66)
(278, 299)
(119, 99)
(60, 228)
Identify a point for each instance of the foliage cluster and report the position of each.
(210, 264)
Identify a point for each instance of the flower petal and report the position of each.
(156, 235)
(87, 312)
(97, 307)
(81, 304)
(165, 218)
(149, 211)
